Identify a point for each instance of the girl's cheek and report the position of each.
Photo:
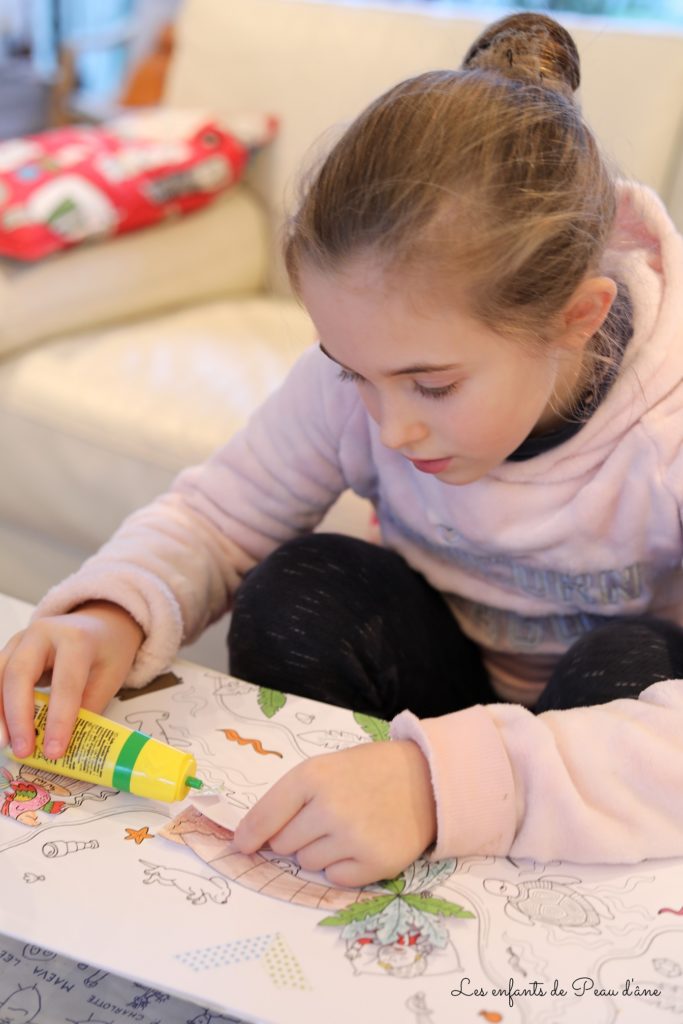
(371, 402)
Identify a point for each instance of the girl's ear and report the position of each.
(586, 311)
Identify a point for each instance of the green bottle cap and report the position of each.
(194, 783)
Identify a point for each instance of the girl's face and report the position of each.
(447, 392)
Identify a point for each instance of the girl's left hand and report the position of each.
(362, 814)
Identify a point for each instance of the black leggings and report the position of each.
(350, 623)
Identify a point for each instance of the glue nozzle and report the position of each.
(194, 783)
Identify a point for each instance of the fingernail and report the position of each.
(21, 747)
(52, 749)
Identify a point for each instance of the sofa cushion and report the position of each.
(219, 251)
(121, 412)
(78, 183)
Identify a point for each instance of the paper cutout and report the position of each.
(256, 871)
(217, 809)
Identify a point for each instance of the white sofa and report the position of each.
(124, 361)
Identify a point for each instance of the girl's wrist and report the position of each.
(111, 610)
(424, 807)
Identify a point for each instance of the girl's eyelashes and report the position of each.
(344, 374)
(442, 392)
(438, 392)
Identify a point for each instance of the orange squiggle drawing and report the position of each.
(670, 910)
(231, 734)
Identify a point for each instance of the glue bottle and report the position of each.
(105, 752)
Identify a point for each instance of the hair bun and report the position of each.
(529, 47)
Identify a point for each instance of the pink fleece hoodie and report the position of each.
(528, 557)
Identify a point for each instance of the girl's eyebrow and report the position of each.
(415, 368)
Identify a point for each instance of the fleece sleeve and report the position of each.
(175, 564)
(593, 784)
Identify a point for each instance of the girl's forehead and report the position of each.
(365, 283)
(383, 331)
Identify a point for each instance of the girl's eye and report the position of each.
(442, 392)
(344, 374)
(425, 392)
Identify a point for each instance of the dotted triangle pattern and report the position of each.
(283, 967)
(277, 959)
(226, 954)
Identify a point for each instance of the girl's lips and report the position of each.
(430, 465)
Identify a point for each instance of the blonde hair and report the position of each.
(485, 182)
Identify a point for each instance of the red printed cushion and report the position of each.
(68, 185)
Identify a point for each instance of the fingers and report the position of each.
(103, 683)
(316, 855)
(69, 678)
(76, 684)
(302, 832)
(24, 667)
(89, 654)
(353, 873)
(5, 655)
(329, 855)
(274, 810)
(315, 850)
(332, 854)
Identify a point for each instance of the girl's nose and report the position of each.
(400, 431)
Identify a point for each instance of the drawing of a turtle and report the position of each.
(550, 901)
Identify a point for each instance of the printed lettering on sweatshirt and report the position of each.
(599, 589)
(504, 630)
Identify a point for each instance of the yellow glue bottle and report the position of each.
(104, 752)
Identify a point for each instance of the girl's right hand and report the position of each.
(90, 652)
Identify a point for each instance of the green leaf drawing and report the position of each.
(270, 701)
(396, 885)
(358, 911)
(434, 905)
(425, 874)
(376, 728)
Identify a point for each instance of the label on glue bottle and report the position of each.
(110, 754)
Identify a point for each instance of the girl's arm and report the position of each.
(173, 566)
(589, 784)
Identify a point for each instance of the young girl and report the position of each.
(500, 370)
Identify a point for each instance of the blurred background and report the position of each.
(68, 60)
(80, 60)
(665, 10)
